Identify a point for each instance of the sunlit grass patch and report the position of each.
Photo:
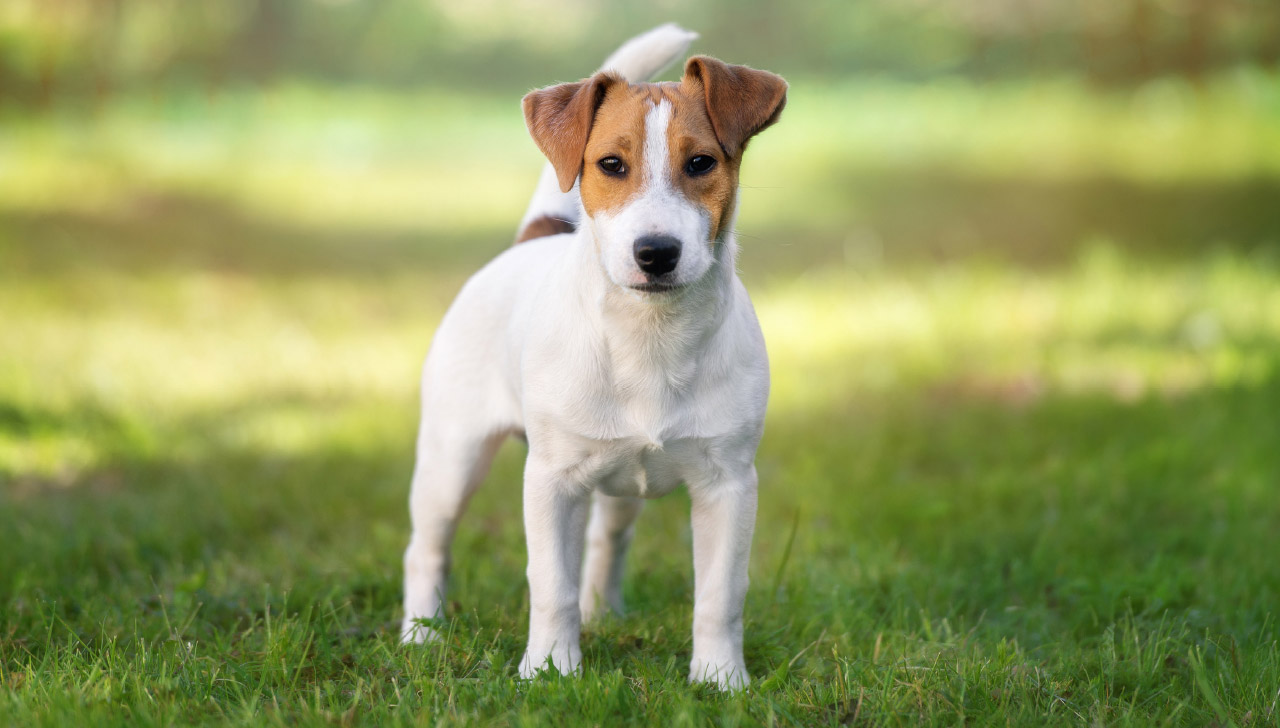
(162, 352)
(1107, 324)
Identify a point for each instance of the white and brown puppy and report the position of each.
(625, 349)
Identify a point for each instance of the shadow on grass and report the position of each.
(171, 234)
(907, 217)
(921, 217)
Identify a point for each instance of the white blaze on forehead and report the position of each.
(656, 153)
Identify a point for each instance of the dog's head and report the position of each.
(658, 162)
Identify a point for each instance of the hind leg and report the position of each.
(608, 537)
(450, 466)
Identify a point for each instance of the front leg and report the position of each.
(555, 515)
(724, 517)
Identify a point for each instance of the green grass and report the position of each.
(1020, 464)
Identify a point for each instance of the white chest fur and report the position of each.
(634, 401)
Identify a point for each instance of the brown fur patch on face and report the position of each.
(541, 227)
(618, 132)
(716, 109)
(690, 135)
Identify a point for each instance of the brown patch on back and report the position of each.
(541, 227)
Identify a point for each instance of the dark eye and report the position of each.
(700, 164)
(613, 166)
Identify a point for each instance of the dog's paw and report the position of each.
(563, 661)
(418, 632)
(730, 676)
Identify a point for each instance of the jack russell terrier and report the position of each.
(618, 339)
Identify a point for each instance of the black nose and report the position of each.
(657, 254)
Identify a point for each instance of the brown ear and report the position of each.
(741, 101)
(559, 120)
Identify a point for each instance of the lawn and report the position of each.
(1020, 466)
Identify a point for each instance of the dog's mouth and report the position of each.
(657, 287)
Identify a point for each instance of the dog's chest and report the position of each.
(633, 467)
(638, 412)
(643, 438)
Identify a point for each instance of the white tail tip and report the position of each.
(648, 54)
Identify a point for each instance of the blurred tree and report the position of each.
(74, 49)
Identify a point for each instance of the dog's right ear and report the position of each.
(559, 120)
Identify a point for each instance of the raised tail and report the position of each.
(648, 54)
(639, 59)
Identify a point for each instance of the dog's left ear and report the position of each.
(741, 101)
(559, 120)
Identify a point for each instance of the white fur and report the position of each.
(623, 395)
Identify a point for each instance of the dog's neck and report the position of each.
(656, 336)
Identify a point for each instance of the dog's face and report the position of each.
(658, 162)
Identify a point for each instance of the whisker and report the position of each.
(744, 235)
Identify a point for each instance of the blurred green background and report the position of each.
(1017, 261)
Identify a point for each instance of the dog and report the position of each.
(617, 339)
